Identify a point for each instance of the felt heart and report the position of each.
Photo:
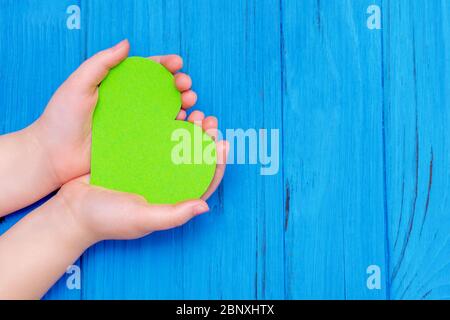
(138, 146)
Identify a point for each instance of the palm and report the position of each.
(67, 121)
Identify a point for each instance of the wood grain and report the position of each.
(333, 158)
(364, 154)
(417, 69)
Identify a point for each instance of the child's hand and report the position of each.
(64, 130)
(55, 150)
(103, 214)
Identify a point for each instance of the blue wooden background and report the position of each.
(363, 114)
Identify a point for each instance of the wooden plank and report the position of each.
(233, 49)
(333, 150)
(359, 109)
(236, 250)
(37, 53)
(417, 72)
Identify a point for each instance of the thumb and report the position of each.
(163, 217)
(89, 75)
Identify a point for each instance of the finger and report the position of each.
(188, 99)
(163, 217)
(196, 117)
(83, 179)
(210, 126)
(181, 115)
(222, 149)
(183, 82)
(89, 75)
(171, 62)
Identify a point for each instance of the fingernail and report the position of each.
(119, 45)
(201, 208)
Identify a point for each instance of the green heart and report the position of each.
(134, 145)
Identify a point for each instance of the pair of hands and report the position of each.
(63, 133)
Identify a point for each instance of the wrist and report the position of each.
(36, 137)
(71, 230)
